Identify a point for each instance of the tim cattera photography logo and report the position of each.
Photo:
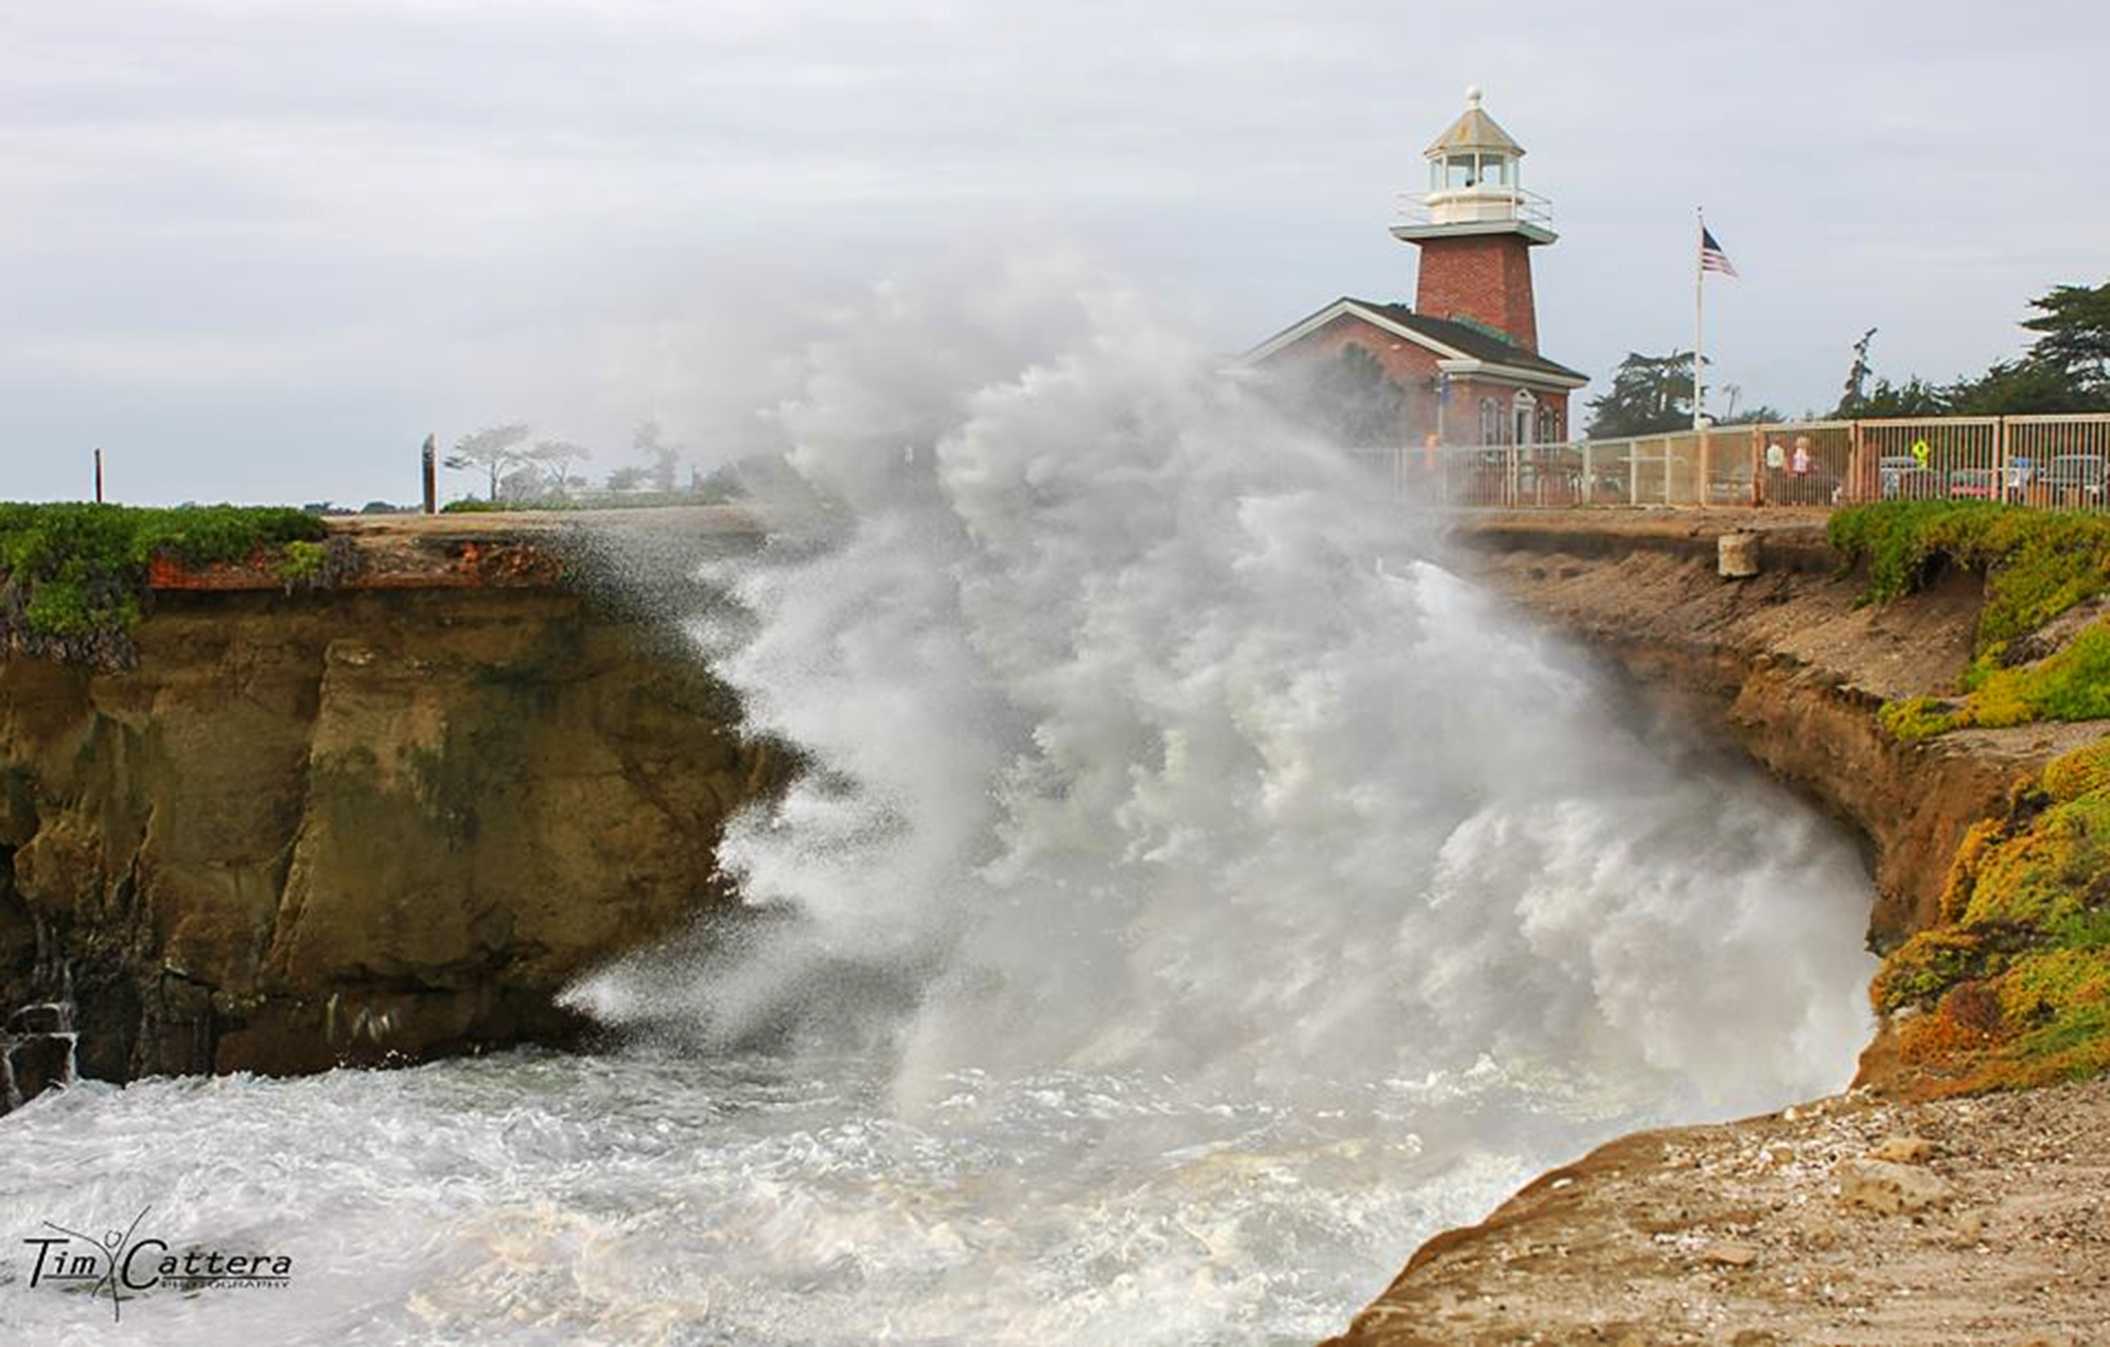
(124, 1264)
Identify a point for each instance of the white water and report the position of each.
(1201, 899)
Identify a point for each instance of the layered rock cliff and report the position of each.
(381, 822)
(1863, 1218)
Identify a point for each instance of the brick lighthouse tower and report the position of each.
(1461, 366)
(1476, 227)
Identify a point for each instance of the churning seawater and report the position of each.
(1198, 896)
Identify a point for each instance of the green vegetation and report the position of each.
(2072, 684)
(2013, 985)
(302, 563)
(1352, 400)
(1650, 394)
(1912, 719)
(2066, 369)
(517, 474)
(73, 573)
(2037, 564)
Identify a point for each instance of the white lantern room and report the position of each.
(1476, 183)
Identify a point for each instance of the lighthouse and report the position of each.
(1461, 365)
(1476, 227)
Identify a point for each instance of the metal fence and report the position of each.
(2052, 462)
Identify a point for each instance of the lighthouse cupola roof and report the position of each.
(1475, 131)
(1476, 185)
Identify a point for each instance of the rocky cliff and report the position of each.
(1790, 665)
(1872, 1217)
(383, 821)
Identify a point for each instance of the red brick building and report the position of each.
(1465, 358)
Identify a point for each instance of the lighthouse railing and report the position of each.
(1476, 205)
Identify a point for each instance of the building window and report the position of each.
(1525, 407)
(1490, 421)
(1549, 425)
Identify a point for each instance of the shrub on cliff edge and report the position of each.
(2012, 986)
(71, 575)
(2037, 564)
(2070, 684)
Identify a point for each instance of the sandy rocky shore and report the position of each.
(1850, 1220)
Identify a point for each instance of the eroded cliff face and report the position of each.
(1861, 1218)
(353, 827)
(1790, 666)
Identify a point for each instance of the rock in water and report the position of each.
(40, 1061)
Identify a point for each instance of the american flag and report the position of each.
(1712, 258)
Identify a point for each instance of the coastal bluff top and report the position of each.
(498, 549)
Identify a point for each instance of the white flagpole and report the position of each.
(1699, 322)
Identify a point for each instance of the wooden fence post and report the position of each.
(2000, 459)
(1853, 462)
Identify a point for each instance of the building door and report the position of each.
(1524, 414)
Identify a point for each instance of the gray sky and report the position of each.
(257, 251)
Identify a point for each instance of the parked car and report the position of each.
(1731, 486)
(2079, 474)
(2020, 473)
(1971, 484)
(1903, 477)
(1818, 485)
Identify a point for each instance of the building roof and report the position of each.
(1478, 342)
(1475, 130)
(1460, 348)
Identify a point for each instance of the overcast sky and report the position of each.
(257, 251)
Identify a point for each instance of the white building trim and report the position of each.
(1466, 366)
(1349, 308)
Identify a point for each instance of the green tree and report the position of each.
(1755, 416)
(2020, 388)
(1352, 399)
(1914, 397)
(1650, 394)
(493, 450)
(2066, 369)
(662, 457)
(1852, 396)
(555, 457)
(2073, 334)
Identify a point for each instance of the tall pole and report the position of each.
(428, 473)
(98, 477)
(1699, 325)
